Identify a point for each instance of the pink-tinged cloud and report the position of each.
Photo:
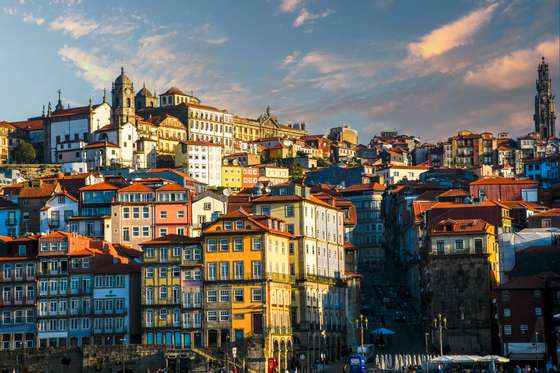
(74, 24)
(287, 6)
(514, 69)
(306, 16)
(451, 35)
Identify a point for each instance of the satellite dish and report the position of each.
(226, 192)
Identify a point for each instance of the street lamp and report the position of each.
(537, 349)
(440, 322)
(362, 323)
(123, 341)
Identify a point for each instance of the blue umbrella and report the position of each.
(383, 331)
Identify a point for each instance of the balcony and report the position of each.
(280, 277)
(54, 223)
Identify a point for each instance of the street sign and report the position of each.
(234, 352)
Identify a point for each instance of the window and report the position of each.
(537, 293)
(459, 245)
(163, 292)
(265, 210)
(478, 246)
(136, 231)
(289, 210)
(224, 271)
(238, 271)
(257, 270)
(146, 212)
(257, 244)
(145, 231)
(546, 223)
(211, 245)
(256, 295)
(228, 225)
(149, 252)
(207, 206)
(211, 296)
(290, 228)
(163, 314)
(163, 214)
(180, 214)
(224, 295)
(224, 244)
(507, 312)
(524, 329)
(181, 231)
(126, 213)
(224, 315)
(238, 295)
(238, 244)
(162, 232)
(211, 316)
(126, 234)
(212, 271)
(149, 272)
(136, 212)
(440, 246)
(538, 311)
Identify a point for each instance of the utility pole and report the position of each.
(440, 322)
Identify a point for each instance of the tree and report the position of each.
(296, 172)
(24, 153)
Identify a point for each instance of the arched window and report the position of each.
(128, 102)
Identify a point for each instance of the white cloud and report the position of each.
(206, 34)
(96, 70)
(74, 24)
(68, 3)
(30, 18)
(305, 16)
(514, 69)
(451, 35)
(290, 58)
(10, 10)
(287, 6)
(327, 71)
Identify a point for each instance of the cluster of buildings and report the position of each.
(176, 223)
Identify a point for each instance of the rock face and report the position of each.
(459, 288)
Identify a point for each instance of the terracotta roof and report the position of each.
(136, 187)
(503, 181)
(454, 193)
(255, 219)
(362, 187)
(174, 91)
(292, 198)
(65, 193)
(459, 226)
(551, 212)
(171, 187)
(108, 127)
(419, 207)
(173, 238)
(72, 111)
(29, 125)
(100, 186)
(44, 191)
(101, 144)
(205, 107)
(401, 167)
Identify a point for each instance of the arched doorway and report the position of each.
(282, 363)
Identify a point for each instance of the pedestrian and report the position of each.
(517, 369)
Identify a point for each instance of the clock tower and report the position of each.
(123, 100)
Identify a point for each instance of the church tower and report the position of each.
(545, 116)
(123, 100)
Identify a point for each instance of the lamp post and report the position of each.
(440, 322)
(123, 341)
(362, 323)
(537, 349)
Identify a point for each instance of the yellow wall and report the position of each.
(232, 177)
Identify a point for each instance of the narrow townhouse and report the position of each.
(248, 285)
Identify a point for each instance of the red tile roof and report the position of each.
(173, 91)
(29, 125)
(363, 187)
(173, 238)
(171, 187)
(100, 186)
(72, 111)
(44, 191)
(459, 226)
(504, 181)
(551, 212)
(136, 187)
(101, 144)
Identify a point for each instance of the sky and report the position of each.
(425, 68)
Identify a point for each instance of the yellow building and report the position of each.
(166, 130)
(248, 284)
(266, 125)
(161, 292)
(273, 174)
(467, 237)
(5, 131)
(232, 177)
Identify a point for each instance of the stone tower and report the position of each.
(145, 99)
(123, 100)
(545, 116)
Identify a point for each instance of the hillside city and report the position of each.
(149, 232)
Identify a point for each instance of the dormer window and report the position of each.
(239, 224)
(228, 225)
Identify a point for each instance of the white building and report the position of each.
(393, 174)
(207, 123)
(202, 160)
(124, 136)
(206, 207)
(57, 211)
(102, 154)
(174, 96)
(67, 130)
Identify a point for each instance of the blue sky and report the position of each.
(428, 68)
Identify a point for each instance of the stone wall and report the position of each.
(30, 171)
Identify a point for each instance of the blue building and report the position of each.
(9, 218)
(336, 175)
(544, 170)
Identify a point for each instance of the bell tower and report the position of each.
(545, 116)
(123, 100)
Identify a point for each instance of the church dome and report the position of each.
(123, 79)
(144, 92)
